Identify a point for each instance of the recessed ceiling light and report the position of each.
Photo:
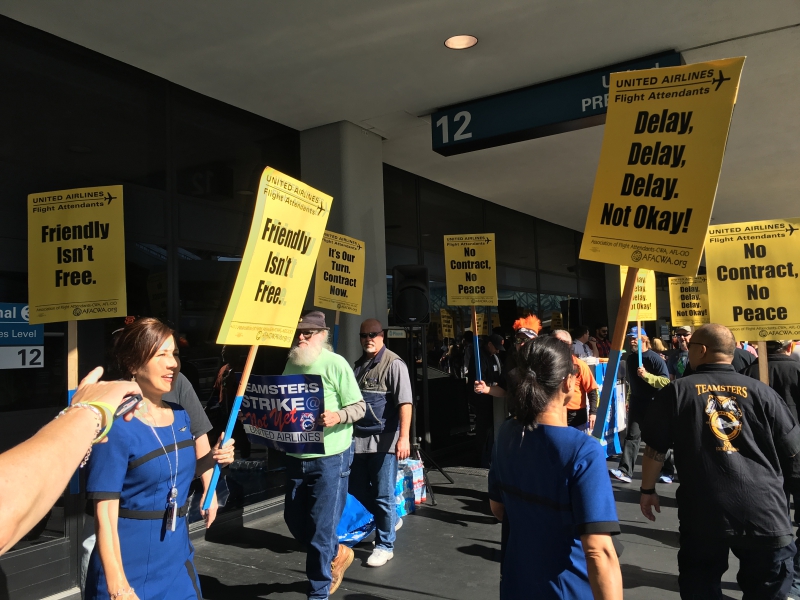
(461, 42)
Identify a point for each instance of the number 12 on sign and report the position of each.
(462, 134)
(21, 357)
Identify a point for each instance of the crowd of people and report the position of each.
(736, 445)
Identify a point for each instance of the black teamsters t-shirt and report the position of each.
(730, 434)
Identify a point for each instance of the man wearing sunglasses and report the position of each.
(678, 361)
(316, 484)
(382, 436)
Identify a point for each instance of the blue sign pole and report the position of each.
(237, 403)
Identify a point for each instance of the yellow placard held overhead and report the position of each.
(448, 328)
(495, 320)
(470, 270)
(339, 283)
(663, 144)
(556, 320)
(688, 300)
(753, 282)
(285, 237)
(644, 295)
(76, 255)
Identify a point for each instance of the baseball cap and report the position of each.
(636, 332)
(497, 341)
(686, 328)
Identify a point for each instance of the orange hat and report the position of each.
(530, 326)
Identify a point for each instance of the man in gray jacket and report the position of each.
(381, 437)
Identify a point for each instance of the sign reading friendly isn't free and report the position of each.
(558, 106)
(76, 255)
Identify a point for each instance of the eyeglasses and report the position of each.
(308, 333)
(370, 334)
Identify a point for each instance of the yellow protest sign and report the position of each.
(76, 255)
(688, 300)
(644, 295)
(448, 326)
(483, 324)
(556, 320)
(495, 320)
(339, 283)
(470, 270)
(753, 283)
(664, 140)
(285, 237)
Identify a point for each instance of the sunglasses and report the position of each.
(308, 333)
(682, 334)
(370, 334)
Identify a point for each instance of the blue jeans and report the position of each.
(316, 492)
(372, 482)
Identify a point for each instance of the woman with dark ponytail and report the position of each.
(549, 486)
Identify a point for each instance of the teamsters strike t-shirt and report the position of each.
(554, 484)
(731, 435)
(340, 389)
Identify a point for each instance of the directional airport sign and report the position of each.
(567, 104)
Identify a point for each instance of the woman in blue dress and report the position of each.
(139, 482)
(549, 486)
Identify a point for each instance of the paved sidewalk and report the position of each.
(450, 551)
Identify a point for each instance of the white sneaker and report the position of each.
(617, 474)
(663, 478)
(399, 524)
(379, 557)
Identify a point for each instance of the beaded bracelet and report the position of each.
(97, 432)
(120, 593)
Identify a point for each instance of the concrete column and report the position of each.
(346, 161)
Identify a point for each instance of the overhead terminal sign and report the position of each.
(688, 300)
(76, 255)
(558, 106)
(659, 166)
(339, 283)
(470, 269)
(643, 302)
(285, 237)
(753, 279)
(21, 344)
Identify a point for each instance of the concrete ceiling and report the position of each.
(384, 66)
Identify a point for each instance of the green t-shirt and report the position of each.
(340, 388)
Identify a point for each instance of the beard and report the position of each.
(308, 355)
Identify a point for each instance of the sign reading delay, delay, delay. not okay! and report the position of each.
(662, 152)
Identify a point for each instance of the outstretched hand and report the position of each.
(91, 389)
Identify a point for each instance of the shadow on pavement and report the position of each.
(484, 552)
(634, 577)
(214, 590)
(262, 539)
(668, 538)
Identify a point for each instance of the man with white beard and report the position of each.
(316, 486)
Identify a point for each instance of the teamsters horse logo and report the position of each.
(725, 420)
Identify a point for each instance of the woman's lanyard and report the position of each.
(172, 502)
